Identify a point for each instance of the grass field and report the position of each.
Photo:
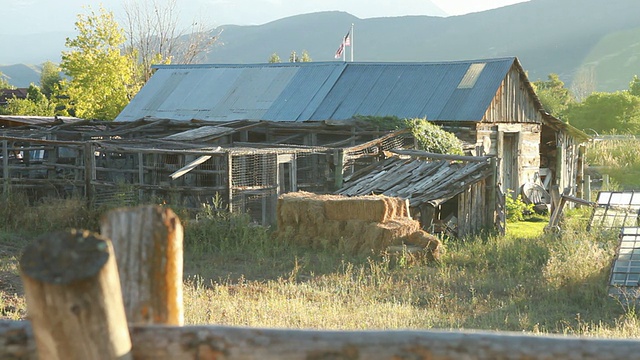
(239, 274)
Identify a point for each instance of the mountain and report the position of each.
(568, 37)
(548, 36)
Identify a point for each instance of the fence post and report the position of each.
(73, 297)
(148, 247)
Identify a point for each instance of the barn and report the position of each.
(488, 103)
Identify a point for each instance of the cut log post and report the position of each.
(236, 343)
(148, 247)
(73, 297)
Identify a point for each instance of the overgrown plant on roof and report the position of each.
(430, 137)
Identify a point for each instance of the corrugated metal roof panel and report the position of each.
(309, 86)
(321, 91)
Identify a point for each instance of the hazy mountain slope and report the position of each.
(21, 75)
(547, 36)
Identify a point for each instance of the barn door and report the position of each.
(510, 163)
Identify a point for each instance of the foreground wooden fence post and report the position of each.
(148, 247)
(73, 297)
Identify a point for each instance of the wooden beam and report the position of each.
(425, 154)
(235, 343)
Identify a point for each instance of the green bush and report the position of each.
(430, 137)
(517, 210)
(433, 138)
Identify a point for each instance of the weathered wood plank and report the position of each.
(236, 343)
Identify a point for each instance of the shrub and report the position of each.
(517, 210)
(433, 138)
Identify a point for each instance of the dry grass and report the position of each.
(239, 274)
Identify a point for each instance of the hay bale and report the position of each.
(378, 236)
(356, 224)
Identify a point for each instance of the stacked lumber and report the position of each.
(359, 224)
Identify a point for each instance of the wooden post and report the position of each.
(605, 182)
(89, 171)
(338, 160)
(140, 176)
(230, 181)
(73, 297)
(5, 167)
(148, 248)
(587, 187)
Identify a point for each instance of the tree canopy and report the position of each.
(606, 112)
(553, 94)
(100, 80)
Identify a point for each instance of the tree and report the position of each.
(4, 83)
(555, 97)
(36, 104)
(305, 56)
(293, 57)
(584, 83)
(274, 58)
(49, 78)
(154, 37)
(606, 112)
(101, 82)
(634, 86)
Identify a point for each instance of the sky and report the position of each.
(38, 16)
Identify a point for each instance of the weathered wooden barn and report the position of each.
(183, 163)
(489, 104)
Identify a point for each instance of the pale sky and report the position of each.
(460, 7)
(37, 16)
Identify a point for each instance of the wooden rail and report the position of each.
(238, 343)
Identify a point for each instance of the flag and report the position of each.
(346, 41)
(339, 51)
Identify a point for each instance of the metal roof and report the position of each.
(439, 91)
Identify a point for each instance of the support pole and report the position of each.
(73, 297)
(148, 247)
(5, 167)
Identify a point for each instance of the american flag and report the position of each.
(346, 41)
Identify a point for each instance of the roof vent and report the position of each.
(472, 75)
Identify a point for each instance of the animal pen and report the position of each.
(240, 166)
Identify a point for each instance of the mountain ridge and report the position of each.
(547, 36)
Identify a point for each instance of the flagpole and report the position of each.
(351, 42)
(344, 52)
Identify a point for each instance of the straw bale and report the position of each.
(300, 207)
(431, 244)
(378, 236)
(369, 208)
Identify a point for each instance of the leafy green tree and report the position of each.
(49, 78)
(634, 86)
(293, 57)
(305, 57)
(101, 81)
(36, 104)
(274, 58)
(4, 83)
(606, 112)
(555, 97)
